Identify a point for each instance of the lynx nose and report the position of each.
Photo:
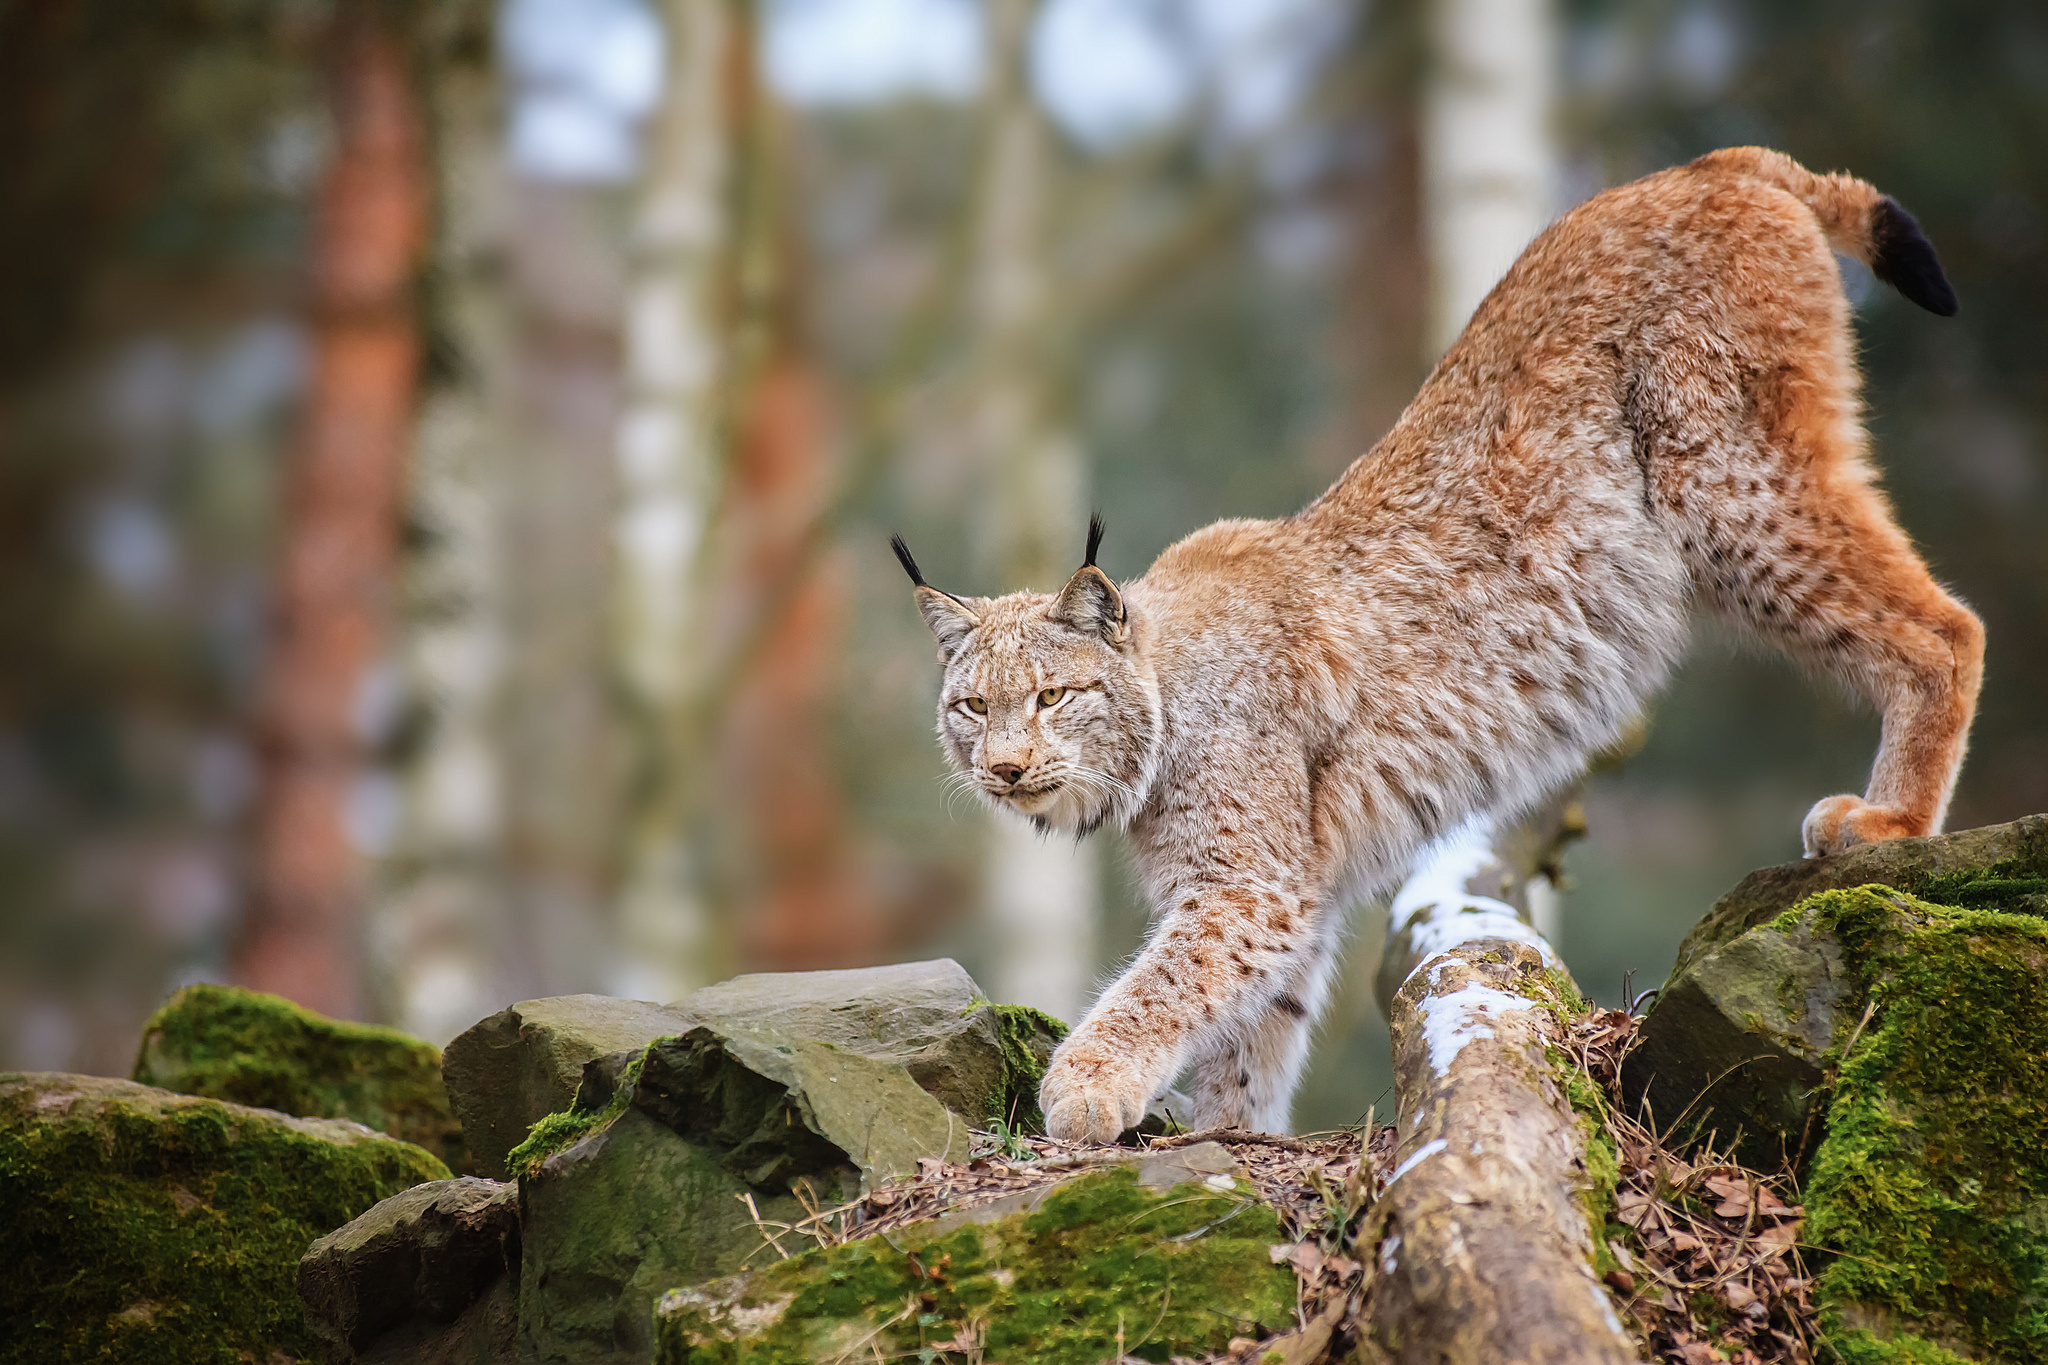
(1007, 772)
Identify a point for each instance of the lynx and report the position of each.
(1655, 408)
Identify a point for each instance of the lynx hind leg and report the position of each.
(1248, 1080)
(1803, 551)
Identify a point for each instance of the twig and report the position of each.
(1232, 1137)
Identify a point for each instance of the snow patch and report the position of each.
(1451, 1021)
(1417, 1157)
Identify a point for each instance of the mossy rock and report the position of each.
(1931, 1185)
(1737, 1043)
(1896, 1048)
(509, 1071)
(1737, 1040)
(2002, 867)
(1101, 1262)
(647, 1193)
(143, 1226)
(243, 1046)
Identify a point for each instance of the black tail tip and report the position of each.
(903, 558)
(1903, 258)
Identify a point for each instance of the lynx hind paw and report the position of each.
(1092, 1099)
(1837, 824)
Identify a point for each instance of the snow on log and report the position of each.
(1484, 1244)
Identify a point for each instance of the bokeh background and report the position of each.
(447, 450)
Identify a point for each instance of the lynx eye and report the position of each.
(1050, 697)
(975, 704)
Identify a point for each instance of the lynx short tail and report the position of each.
(1857, 218)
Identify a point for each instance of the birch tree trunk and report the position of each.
(1041, 893)
(1489, 174)
(671, 442)
(1483, 1240)
(438, 927)
(303, 933)
(1489, 160)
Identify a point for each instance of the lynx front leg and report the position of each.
(1206, 976)
(1248, 1081)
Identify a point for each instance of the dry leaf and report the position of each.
(1307, 1259)
(1780, 1238)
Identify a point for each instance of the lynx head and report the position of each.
(1048, 706)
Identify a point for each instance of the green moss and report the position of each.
(147, 1227)
(2015, 886)
(1566, 990)
(559, 1131)
(1859, 1346)
(1603, 1159)
(1022, 1031)
(1932, 1180)
(243, 1046)
(1178, 1274)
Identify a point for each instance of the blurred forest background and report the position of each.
(447, 450)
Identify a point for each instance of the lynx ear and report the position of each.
(1090, 603)
(949, 617)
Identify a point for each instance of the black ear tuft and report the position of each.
(1903, 258)
(903, 558)
(1094, 538)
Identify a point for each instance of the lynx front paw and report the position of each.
(1090, 1095)
(1839, 823)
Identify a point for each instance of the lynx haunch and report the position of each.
(1655, 408)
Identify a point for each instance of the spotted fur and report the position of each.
(1655, 409)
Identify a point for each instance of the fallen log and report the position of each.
(1484, 1239)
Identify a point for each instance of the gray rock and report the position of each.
(1736, 1041)
(929, 1017)
(981, 1061)
(718, 1117)
(515, 1068)
(400, 1280)
(487, 1333)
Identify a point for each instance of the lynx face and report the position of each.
(1044, 718)
(1047, 707)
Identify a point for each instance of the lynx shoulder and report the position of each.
(1654, 411)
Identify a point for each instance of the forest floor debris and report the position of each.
(1708, 1265)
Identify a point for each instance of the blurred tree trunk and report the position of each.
(439, 926)
(1041, 892)
(302, 935)
(1489, 155)
(1386, 270)
(801, 901)
(672, 440)
(1489, 176)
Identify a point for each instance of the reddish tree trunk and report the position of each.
(340, 530)
(810, 906)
